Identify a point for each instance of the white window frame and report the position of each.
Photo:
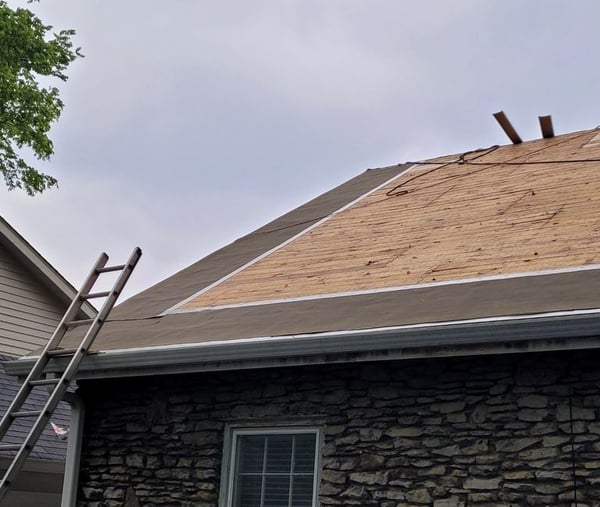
(230, 451)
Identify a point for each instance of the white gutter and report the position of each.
(577, 329)
(71, 477)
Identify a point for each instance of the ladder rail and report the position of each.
(76, 303)
(37, 370)
(62, 384)
(99, 320)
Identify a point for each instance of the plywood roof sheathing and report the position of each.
(509, 211)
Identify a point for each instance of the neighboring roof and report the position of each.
(39, 267)
(49, 447)
(464, 247)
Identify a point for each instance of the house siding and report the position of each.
(503, 431)
(28, 311)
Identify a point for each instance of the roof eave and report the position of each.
(577, 330)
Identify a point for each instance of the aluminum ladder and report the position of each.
(59, 383)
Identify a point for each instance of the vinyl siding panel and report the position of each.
(28, 310)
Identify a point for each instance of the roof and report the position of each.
(49, 446)
(436, 222)
(39, 267)
(462, 247)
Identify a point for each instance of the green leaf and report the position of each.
(29, 50)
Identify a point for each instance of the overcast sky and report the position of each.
(190, 123)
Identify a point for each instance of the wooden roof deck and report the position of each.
(459, 221)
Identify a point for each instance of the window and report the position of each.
(273, 467)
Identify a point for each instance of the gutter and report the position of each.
(571, 330)
(71, 476)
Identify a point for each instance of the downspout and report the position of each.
(71, 477)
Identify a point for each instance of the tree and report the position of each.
(29, 52)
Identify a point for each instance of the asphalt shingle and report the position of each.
(49, 446)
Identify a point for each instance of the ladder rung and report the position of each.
(44, 382)
(61, 352)
(94, 295)
(81, 322)
(26, 413)
(109, 269)
(10, 447)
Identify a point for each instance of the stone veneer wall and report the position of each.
(454, 432)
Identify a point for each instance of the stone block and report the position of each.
(516, 444)
(532, 414)
(563, 413)
(482, 483)
(453, 501)
(418, 496)
(533, 401)
(449, 406)
(370, 478)
(404, 432)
